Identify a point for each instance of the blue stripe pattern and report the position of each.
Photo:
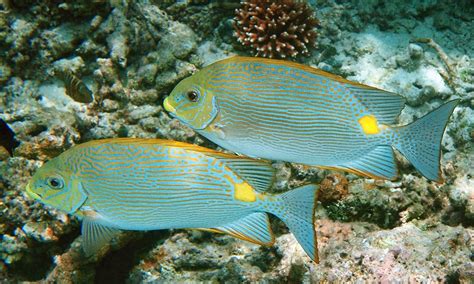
(281, 110)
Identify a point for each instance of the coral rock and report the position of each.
(276, 29)
(333, 188)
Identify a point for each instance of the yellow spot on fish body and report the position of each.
(369, 124)
(244, 192)
(168, 106)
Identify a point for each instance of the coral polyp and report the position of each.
(276, 29)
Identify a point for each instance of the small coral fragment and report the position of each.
(333, 187)
(276, 29)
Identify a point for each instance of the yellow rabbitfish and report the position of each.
(281, 110)
(151, 184)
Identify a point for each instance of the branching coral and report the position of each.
(276, 29)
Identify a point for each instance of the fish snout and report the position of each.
(30, 193)
(168, 107)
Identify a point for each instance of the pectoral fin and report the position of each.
(253, 228)
(258, 173)
(95, 236)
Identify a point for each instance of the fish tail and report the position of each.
(296, 208)
(420, 141)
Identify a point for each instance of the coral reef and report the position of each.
(276, 29)
(388, 255)
(364, 254)
(332, 188)
(130, 54)
(202, 16)
(33, 101)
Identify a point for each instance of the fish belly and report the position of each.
(318, 151)
(200, 212)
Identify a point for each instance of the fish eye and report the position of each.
(55, 182)
(193, 96)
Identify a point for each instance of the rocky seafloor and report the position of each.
(132, 53)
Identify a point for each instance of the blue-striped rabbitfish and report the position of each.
(151, 184)
(281, 110)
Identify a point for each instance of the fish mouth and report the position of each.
(30, 193)
(168, 107)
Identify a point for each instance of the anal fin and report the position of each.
(253, 228)
(378, 164)
(95, 236)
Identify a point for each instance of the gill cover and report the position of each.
(68, 199)
(207, 114)
(197, 114)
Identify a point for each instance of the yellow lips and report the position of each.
(168, 107)
(30, 193)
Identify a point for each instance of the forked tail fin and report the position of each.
(296, 208)
(420, 141)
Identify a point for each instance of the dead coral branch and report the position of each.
(276, 29)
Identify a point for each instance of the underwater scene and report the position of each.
(258, 141)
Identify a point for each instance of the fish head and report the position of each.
(55, 186)
(192, 103)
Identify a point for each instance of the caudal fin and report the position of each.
(296, 208)
(420, 141)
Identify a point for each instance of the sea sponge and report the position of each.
(276, 29)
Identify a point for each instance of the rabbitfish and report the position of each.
(286, 111)
(151, 184)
